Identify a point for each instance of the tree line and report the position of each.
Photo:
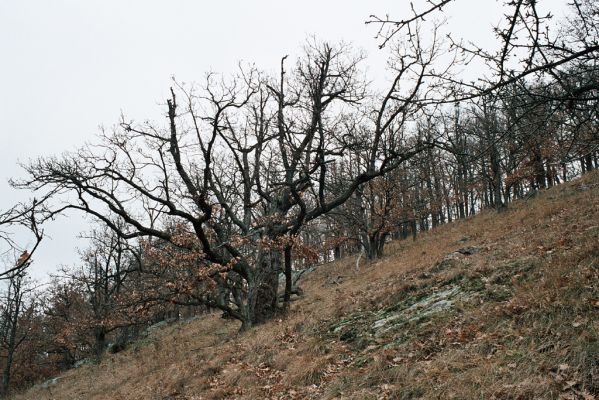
(253, 177)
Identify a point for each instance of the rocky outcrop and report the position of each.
(432, 304)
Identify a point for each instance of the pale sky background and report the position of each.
(67, 67)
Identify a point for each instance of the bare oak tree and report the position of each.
(243, 164)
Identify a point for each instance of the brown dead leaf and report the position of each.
(563, 367)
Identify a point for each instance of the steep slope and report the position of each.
(493, 307)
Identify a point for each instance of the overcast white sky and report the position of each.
(67, 67)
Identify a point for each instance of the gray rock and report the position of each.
(81, 363)
(159, 325)
(432, 304)
(468, 251)
(50, 382)
(450, 260)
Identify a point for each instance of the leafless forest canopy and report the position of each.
(247, 180)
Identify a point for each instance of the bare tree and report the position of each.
(243, 165)
(14, 303)
(103, 278)
(523, 35)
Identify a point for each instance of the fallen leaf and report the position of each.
(570, 384)
(563, 367)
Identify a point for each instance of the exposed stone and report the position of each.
(50, 382)
(339, 326)
(450, 260)
(160, 325)
(468, 251)
(432, 304)
(81, 363)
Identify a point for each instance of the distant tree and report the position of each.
(15, 302)
(103, 280)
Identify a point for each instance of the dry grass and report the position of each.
(527, 329)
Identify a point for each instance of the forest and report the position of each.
(247, 181)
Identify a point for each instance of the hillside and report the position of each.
(492, 307)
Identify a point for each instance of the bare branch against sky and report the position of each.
(71, 66)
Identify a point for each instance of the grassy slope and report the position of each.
(524, 325)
